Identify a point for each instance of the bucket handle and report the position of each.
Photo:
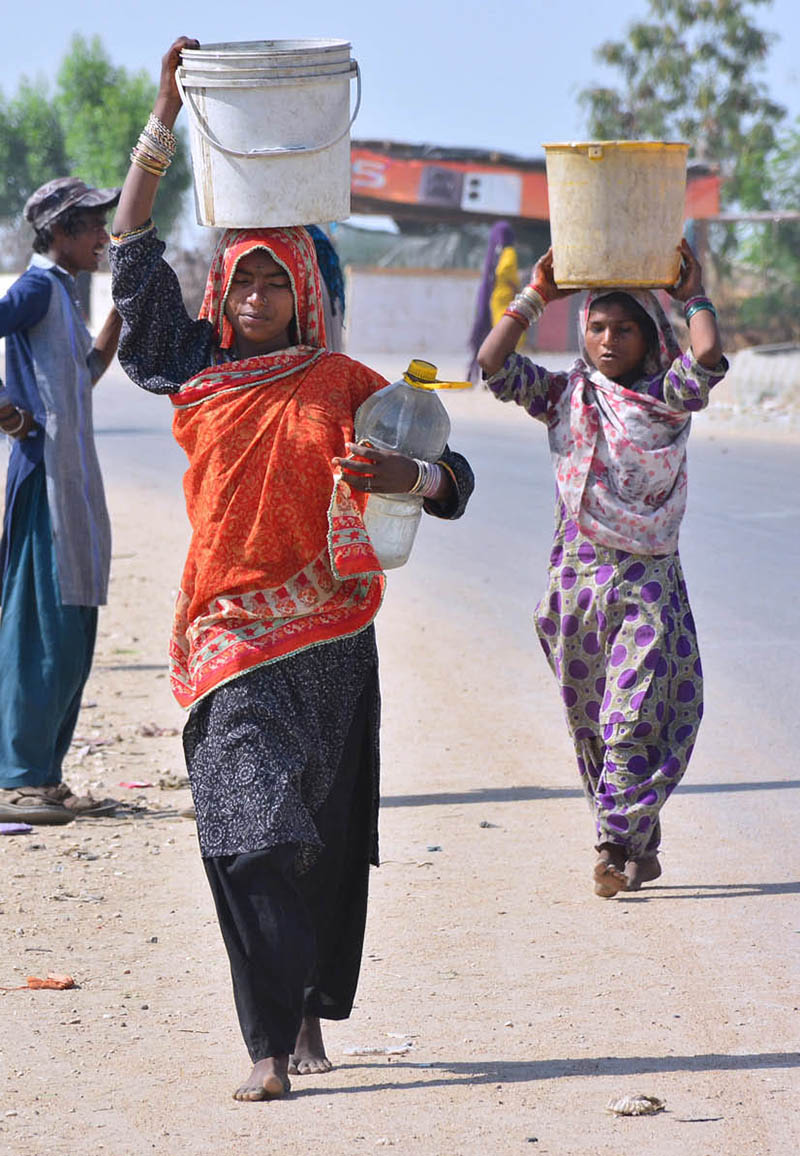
(278, 151)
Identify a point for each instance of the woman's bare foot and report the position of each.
(609, 871)
(268, 1080)
(639, 871)
(308, 1057)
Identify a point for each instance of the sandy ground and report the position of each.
(501, 1003)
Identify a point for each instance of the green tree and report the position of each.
(102, 111)
(690, 72)
(772, 248)
(86, 129)
(31, 147)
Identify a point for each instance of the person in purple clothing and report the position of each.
(615, 622)
(496, 289)
(56, 546)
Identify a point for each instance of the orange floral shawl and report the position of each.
(279, 558)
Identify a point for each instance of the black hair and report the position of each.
(635, 313)
(72, 221)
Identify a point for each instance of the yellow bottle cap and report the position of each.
(422, 375)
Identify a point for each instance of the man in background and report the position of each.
(56, 546)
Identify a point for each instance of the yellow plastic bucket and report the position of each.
(616, 212)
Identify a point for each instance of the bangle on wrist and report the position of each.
(534, 294)
(518, 317)
(527, 307)
(155, 128)
(429, 476)
(155, 148)
(695, 305)
(420, 474)
(15, 429)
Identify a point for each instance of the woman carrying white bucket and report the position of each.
(615, 622)
(273, 649)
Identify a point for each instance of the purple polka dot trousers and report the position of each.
(619, 636)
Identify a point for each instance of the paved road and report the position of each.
(740, 546)
(529, 1001)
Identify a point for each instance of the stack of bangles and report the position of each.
(695, 304)
(527, 307)
(155, 147)
(429, 477)
(14, 430)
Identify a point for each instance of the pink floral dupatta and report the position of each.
(619, 454)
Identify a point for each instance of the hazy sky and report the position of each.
(449, 72)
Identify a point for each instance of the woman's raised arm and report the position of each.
(141, 184)
(700, 314)
(523, 310)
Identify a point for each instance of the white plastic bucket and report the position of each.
(616, 212)
(269, 128)
(267, 54)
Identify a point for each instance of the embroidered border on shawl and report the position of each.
(212, 382)
(350, 550)
(241, 632)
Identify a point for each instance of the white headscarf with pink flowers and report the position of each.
(619, 454)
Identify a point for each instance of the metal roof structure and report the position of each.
(433, 184)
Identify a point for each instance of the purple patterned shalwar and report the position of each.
(615, 624)
(619, 636)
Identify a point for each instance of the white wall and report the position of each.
(409, 311)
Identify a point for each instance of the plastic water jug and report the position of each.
(409, 418)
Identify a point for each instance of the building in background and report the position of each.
(414, 289)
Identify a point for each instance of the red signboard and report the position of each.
(381, 181)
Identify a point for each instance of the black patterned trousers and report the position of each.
(294, 937)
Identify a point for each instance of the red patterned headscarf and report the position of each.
(294, 250)
(279, 558)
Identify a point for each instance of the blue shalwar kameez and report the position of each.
(56, 547)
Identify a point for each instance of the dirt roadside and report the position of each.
(501, 1004)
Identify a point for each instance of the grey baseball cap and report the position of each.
(52, 199)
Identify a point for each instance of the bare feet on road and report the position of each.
(609, 871)
(639, 871)
(269, 1080)
(308, 1057)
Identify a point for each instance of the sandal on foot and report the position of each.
(32, 805)
(81, 806)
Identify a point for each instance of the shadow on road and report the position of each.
(766, 785)
(482, 795)
(528, 794)
(131, 666)
(710, 891)
(521, 1071)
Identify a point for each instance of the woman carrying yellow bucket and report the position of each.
(615, 622)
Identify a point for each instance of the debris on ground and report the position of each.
(636, 1105)
(51, 982)
(392, 1050)
(172, 782)
(15, 828)
(154, 731)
